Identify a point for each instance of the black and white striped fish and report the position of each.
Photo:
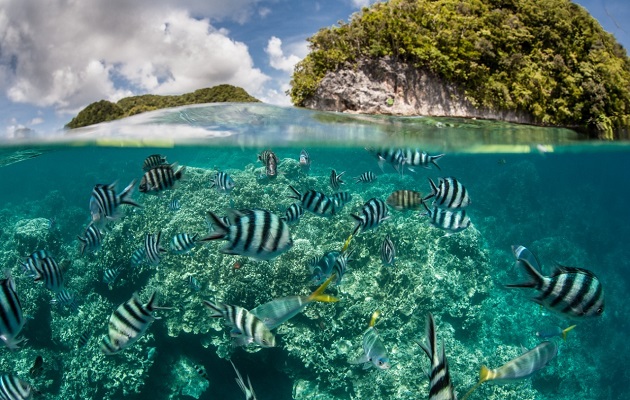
(182, 243)
(160, 178)
(388, 251)
(32, 261)
(374, 212)
(84, 339)
(222, 182)
(392, 156)
(340, 199)
(452, 221)
(11, 317)
(48, 271)
(316, 202)
(449, 193)
(258, 234)
(13, 388)
(293, 213)
(152, 161)
(573, 292)
(440, 385)
(270, 160)
(403, 200)
(418, 158)
(138, 257)
(65, 298)
(335, 179)
(110, 275)
(246, 327)
(128, 323)
(174, 205)
(91, 240)
(341, 265)
(104, 202)
(193, 283)
(366, 177)
(152, 249)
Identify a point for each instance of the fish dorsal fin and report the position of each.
(563, 269)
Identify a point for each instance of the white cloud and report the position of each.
(36, 121)
(68, 54)
(362, 3)
(277, 59)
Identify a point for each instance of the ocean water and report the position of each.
(563, 198)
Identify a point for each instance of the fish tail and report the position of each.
(375, 315)
(217, 309)
(151, 303)
(358, 225)
(318, 295)
(221, 229)
(485, 374)
(434, 190)
(347, 243)
(567, 330)
(297, 195)
(83, 244)
(535, 282)
(125, 196)
(434, 160)
(472, 389)
(179, 174)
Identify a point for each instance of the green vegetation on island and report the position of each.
(549, 58)
(102, 111)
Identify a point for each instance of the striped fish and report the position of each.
(417, 158)
(65, 298)
(278, 311)
(182, 243)
(248, 390)
(258, 234)
(388, 251)
(128, 323)
(104, 202)
(270, 160)
(392, 156)
(13, 388)
(440, 385)
(449, 193)
(335, 179)
(573, 292)
(84, 339)
(293, 213)
(340, 199)
(138, 257)
(161, 178)
(31, 262)
(222, 182)
(91, 240)
(110, 275)
(321, 267)
(174, 205)
(316, 202)
(11, 317)
(246, 327)
(152, 249)
(374, 212)
(521, 367)
(193, 283)
(152, 161)
(374, 351)
(341, 265)
(48, 271)
(450, 221)
(403, 200)
(366, 177)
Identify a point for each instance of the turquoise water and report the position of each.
(562, 198)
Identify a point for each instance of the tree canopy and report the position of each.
(102, 111)
(549, 58)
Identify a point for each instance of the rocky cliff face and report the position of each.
(385, 86)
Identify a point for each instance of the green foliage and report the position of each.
(103, 110)
(546, 57)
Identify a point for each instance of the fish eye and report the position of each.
(380, 362)
(600, 310)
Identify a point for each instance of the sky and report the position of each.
(57, 56)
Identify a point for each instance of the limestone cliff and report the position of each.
(385, 86)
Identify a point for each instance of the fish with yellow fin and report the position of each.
(278, 311)
(521, 367)
(374, 351)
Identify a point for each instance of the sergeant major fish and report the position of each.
(258, 234)
(278, 311)
(128, 323)
(110, 275)
(65, 298)
(573, 292)
(392, 156)
(91, 240)
(174, 205)
(222, 182)
(521, 367)
(11, 316)
(152, 248)
(374, 351)
(340, 199)
(373, 213)
(152, 161)
(335, 179)
(104, 202)
(366, 177)
(449, 193)
(246, 327)
(440, 386)
(48, 271)
(13, 388)
(161, 178)
(183, 243)
(316, 202)
(448, 220)
(419, 158)
(270, 160)
(293, 213)
(388, 251)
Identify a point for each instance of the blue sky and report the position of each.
(57, 57)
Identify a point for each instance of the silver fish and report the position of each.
(305, 161)
(374, 351)
(553, 331)
(523, 366)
